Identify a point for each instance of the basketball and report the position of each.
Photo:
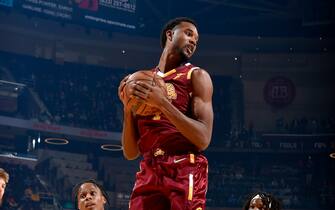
(138, 107)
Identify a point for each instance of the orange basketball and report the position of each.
(140, 108)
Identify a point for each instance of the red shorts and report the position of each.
(170, 182)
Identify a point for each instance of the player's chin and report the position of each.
(186, 55)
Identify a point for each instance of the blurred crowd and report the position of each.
(295, 181)
(24, 191)
(81, 95)
(75, 94)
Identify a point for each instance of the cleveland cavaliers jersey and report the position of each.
(156, 131)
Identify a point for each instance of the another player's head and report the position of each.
(4, 178)
(262, 201)
(180, 34)
(89, 195)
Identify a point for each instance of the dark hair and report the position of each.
(171, 24)
(268, 200)
(76, 190)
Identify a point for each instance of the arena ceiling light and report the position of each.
(332, 155)
(56, 141)
(111, 147)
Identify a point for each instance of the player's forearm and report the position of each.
(195, 131)
(129, 137)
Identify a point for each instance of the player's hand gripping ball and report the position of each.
(138, 107)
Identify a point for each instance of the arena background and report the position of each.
(272, 64)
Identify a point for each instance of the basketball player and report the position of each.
(173, 172)
(90, 195)
(4, 178)
(262, 201)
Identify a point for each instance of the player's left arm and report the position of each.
(202, 107)
(197, 129)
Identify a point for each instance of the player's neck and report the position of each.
(169, 61)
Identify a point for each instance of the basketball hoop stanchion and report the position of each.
(56, 141)
(111, 147)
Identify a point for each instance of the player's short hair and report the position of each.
(171, 24)
(76, 190)
(4, 175)
(268, 200)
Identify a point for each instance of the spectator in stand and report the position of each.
(4, 178)
(262, 201)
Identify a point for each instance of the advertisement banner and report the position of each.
(7, 3)
(109, 14)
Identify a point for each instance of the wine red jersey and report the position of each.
(156, 131)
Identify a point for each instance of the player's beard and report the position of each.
(183, 55)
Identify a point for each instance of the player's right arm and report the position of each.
(129, 131)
